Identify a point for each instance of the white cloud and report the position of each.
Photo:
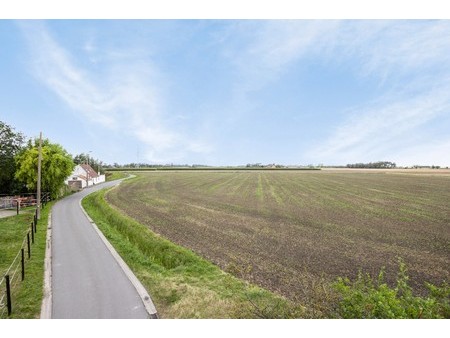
(410, 59)
(376, 130)
(378, 48)
(265, 49)
(126, 100)
(388, 49)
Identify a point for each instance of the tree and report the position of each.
(11, 143)
(96, 164)
(57, 165)
(81, 158)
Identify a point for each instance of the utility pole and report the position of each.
(38, 202)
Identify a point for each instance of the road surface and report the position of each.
(87, 282)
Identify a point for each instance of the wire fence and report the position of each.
(15, 273)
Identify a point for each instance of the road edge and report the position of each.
(46, 306)
(142, 292)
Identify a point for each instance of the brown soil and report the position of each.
(286, 230)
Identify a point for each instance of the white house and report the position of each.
(84, 176)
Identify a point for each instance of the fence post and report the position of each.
(32, 233)
(28, 244)
(8, 295)
(17, 206)
(23, 263)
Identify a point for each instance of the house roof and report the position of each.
(88, 169)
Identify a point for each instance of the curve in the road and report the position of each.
(87, 281)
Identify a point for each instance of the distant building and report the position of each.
(84, 176)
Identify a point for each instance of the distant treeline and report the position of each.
(373, 165)
(168, 168)
(249, 166)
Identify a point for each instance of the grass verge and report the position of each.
(182, 284)
(27, 294)
(116, 175)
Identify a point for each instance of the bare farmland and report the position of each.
(286, 230)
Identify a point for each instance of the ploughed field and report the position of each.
(288, 230)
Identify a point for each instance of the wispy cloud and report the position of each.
(265, 49)
(409, 59)
(380, 48)
(125, 97)
(378, 128)
(122, 90)
(412, 61)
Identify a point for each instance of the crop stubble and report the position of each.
(286, 230)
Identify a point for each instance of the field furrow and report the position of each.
(286, 230)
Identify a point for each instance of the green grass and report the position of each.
(27, 294)
(259, 189)
(12, 232)
(116, 175)
(182, 284)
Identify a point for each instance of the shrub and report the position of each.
(369, 298)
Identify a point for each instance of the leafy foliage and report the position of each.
(11, 143)
(366, 298)
(57, 165)
(96, 164)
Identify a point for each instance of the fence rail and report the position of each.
(11, 277)
(16, 202)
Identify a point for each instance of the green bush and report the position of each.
(366, 298)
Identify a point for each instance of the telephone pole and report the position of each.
(38, 197)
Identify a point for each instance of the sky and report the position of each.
(231, 92)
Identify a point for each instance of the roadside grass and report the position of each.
(27, 294)
(13, 229)
(116, 175)
(182, 284)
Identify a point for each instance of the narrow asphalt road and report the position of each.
(87, 282)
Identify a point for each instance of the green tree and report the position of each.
(96, 164)
(57, 165)
(11, 143)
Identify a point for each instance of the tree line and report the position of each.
(374, 165)
(19, 164)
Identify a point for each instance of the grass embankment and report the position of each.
(182, 284)
(116, 175)
(27, 294)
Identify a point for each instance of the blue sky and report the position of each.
(231, 92)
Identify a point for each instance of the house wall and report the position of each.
(79, 174)
(99, 179)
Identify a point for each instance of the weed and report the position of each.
(369, 298)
